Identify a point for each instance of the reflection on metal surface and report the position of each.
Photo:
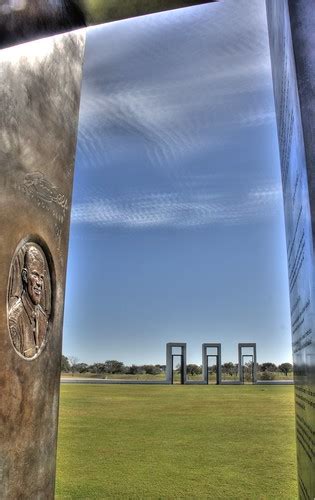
(21, 21)
(102, 11)
(29, 300)
(292, 89)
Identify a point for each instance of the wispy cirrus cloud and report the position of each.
(174, 210)
(167, 76)
(167, 100)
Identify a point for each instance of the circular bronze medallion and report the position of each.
(29, 299)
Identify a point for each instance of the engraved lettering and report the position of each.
(46, 195)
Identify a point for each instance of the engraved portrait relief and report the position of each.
(29, 300)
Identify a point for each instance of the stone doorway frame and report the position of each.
(205, 357)
(242, 346)
(169, 361)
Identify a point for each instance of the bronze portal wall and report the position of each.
(40, 90)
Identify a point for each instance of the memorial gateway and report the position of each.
(176, 352)
(40, 90)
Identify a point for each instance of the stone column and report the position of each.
(184, 353)
(255, 364)
(240, 364)
(204, 363)
(292, 46)
(40, 90)
(169, 364)
(219, 364)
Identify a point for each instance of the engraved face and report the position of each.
(33, 274)
(29, 300)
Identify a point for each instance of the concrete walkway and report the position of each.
(82, 380)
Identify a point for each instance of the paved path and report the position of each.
(82, 380)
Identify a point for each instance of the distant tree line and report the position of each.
(112, 366)
(71, 365)
(267, 368)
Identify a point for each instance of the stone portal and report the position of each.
(208, 359)
(176, 350)
(250, 358)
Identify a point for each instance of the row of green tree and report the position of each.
(71, 365)
(112, 366)
(268, 367)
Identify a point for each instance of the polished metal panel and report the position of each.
(292, 39)
(22, 21)
(107, 11)
(40, 89)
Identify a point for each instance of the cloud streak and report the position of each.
(171, 210)
(164, 99)
(165, 72)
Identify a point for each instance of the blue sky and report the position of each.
(177, 229)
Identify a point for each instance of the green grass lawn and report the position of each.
(176, 442)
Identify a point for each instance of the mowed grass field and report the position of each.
(174, 442)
